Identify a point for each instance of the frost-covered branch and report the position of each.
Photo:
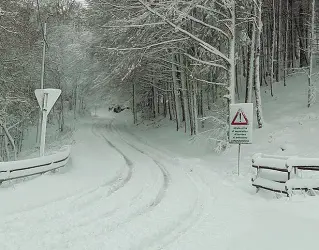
(202, 43)
(147, 46)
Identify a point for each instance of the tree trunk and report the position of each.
(176, 95)
(272, 73)
(251, 61)
(165, 104)
(292, 36)
(311, 87)
(134, 104)
(7, 148)
(302, 33)
(195, 114)
(208, 92)
(10, 138)
(75, 96)
(184, 89)
(232, 69)
(61, 114)
(285, 68)
(248, 54)
(260, 119)
(279, 63)
(202, 104)
(154, 92)
(190, 105)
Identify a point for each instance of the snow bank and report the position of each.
(271, 161)
(301, 161)
(302, 183)
(284, 162)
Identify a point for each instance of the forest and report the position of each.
(185, 60)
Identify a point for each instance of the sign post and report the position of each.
(241, 125)
(46, 99)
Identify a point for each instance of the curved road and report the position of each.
(124, 192)
(119, 194)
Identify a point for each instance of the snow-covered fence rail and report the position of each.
(283, 174)
(272, 173)
(25, 168)
(297, 165)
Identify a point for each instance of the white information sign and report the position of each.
(241, 123)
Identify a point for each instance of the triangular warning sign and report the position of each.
(53, 95)
(240, 118)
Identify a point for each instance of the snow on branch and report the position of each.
(202, 43)
(205, 24)
(205, 62)
(212, 10)
(208, 82)
(133, 25)
(7, 30)
(147, 46)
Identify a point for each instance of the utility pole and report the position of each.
(39, 127)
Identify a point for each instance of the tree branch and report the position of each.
(147, 46)
(133, 25)
(203, 44)
(206, 62)
(205, 24)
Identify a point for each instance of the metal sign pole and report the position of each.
(44, 123)
(238, 163)
(46, 99)
(241, 126)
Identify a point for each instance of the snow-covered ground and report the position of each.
(140, 187)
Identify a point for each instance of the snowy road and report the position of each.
(166, 215)
(117, 195)
(123, 192)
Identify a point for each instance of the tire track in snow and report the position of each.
(139, 211)
(117, 182)
(165, 173)
(160, 194)
(77, 220)
(187, 221)
(87, 197)
(75, 197)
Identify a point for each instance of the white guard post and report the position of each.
(46, 99)
(241, 125)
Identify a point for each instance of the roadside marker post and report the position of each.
(241, 126)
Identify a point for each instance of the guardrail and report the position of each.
(24, 168)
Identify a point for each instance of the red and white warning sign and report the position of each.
(241, 120)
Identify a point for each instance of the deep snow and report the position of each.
(140, 187)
